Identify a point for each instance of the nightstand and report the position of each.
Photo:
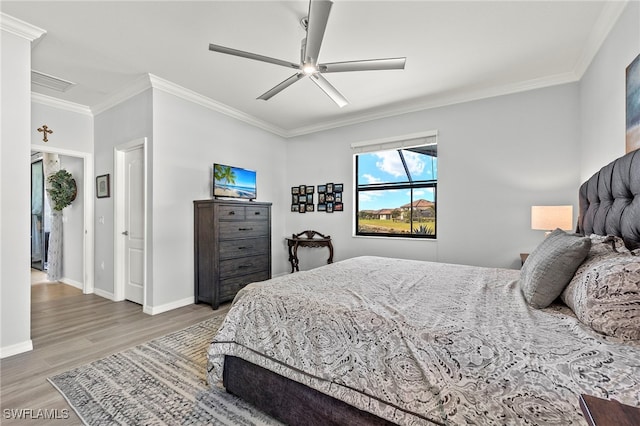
(603, 412)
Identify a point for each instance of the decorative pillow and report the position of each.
(601, 243)
(550, 267)
(605, 293)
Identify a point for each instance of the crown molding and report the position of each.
(611, 11)
(148, 81)
(138, 86)
(20, 28)
(197, 98)
(507, 89)
(41, 99)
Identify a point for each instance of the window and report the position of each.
(396, 188)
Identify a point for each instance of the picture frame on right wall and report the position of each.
(633, 105)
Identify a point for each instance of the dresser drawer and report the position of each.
(243, 266)
(231, 212)
(230, 286)
(229, 249)
(247, 229)
(257, 213)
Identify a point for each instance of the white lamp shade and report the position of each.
(548, 218)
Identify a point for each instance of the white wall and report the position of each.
(497, 158)
(123, 123)
(603, 94)
(184, 139)
(188, 139)
(72, 132)
(15, 181)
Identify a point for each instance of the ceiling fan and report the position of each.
(315, 25)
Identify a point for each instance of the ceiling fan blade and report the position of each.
(318, 17)
(366, 65)
(327, 88)
(249, 55)
(280, 87)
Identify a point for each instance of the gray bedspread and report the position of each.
(420, 343)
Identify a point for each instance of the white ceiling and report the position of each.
(456, 51)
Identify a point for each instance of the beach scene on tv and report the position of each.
(233, 182)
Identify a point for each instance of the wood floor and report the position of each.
(69, 329)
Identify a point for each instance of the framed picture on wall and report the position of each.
(102, 186)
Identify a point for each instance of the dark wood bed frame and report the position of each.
(604, 199)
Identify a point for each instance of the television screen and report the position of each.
(233, 182)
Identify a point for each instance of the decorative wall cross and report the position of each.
(44, 129)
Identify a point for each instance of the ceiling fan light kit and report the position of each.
(315, 24)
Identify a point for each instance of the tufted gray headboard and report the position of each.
(610, 201)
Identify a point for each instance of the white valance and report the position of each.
(398, 142)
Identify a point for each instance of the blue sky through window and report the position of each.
(386, 167)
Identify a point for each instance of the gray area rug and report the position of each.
(161, 382)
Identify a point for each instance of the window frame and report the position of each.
(397, 144)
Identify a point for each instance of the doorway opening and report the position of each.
(80, 225)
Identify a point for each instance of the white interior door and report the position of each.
(134, 225)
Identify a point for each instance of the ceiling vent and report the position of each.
(46, 80)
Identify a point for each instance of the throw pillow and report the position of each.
(605, 294)
(550, 267)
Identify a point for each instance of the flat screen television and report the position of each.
(233, 182)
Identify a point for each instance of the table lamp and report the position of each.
(548, 218)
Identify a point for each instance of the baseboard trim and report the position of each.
(16, 349)
(155, 310)
(72, 283)
(104, 294)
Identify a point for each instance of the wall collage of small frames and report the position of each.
(329, 198)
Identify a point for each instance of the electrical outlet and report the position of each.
(101, 220)
(102, 265)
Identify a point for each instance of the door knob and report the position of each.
(125, 233)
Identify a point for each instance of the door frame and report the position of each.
(119, 214)
(88, 206)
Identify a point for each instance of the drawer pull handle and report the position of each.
(242, 248)
(231, 213)
(257, 213)
(244, 266)
(245, 229)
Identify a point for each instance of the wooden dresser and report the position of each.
(232, 243)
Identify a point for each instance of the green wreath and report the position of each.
(63, 189)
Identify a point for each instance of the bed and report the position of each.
(373, 340)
